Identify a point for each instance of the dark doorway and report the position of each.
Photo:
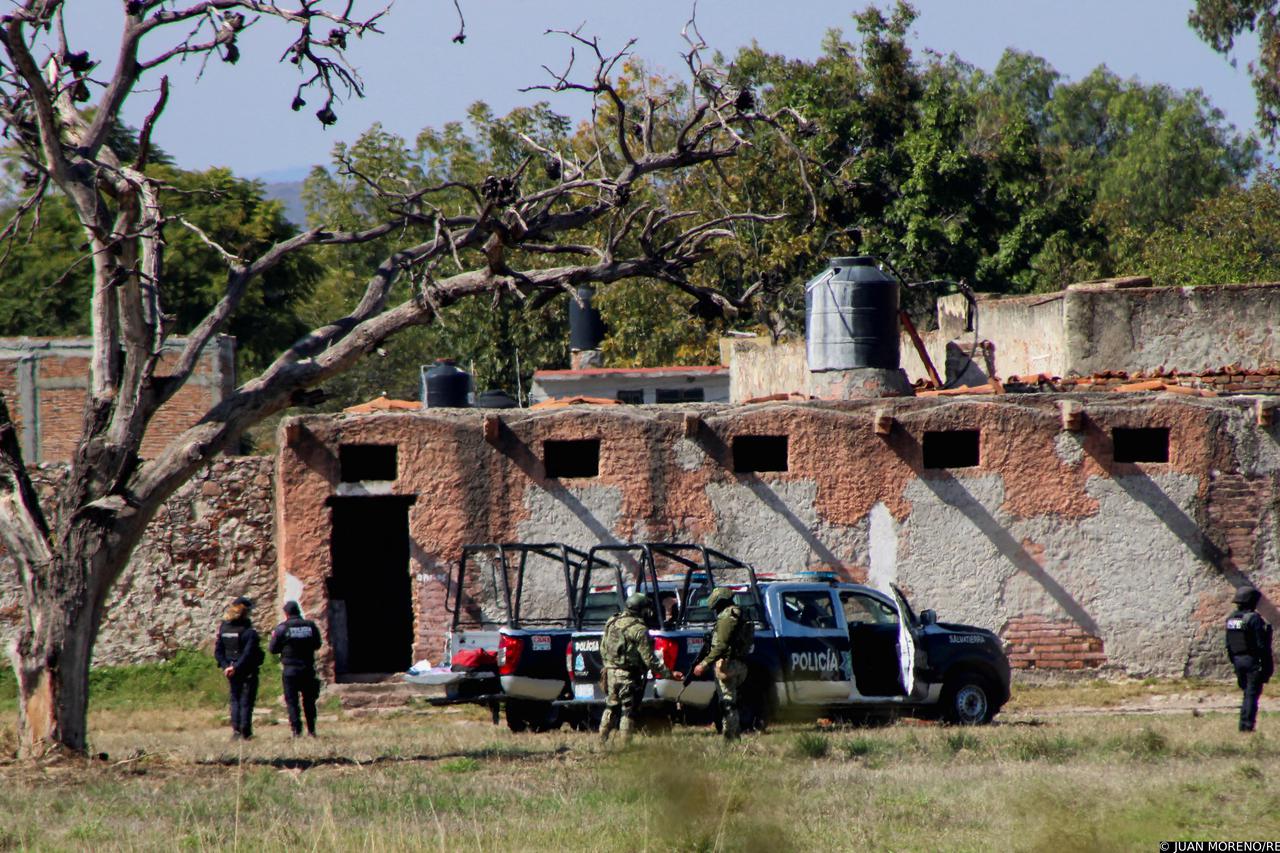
(370, 595)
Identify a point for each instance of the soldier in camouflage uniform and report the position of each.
(627, 652)
(731, 640)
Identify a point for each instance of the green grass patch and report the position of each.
(460, 765)
(8, 689)
(190, 679)
(959, 740)
(1146, 744)
(810, 745)
(1051, 748)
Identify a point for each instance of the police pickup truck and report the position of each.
(512, 607)
(822, 646)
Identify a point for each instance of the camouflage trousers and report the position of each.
(729, 677)
(624, 690)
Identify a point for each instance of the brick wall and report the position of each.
(44, 382)
(1037, 642)
(210, 542)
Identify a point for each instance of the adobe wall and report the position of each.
(44, 382)
(1078, 561)
(211, 541)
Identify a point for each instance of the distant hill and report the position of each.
(290, 193)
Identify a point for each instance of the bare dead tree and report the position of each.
(70, 552)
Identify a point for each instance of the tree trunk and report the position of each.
(54, 645)
(51, 659)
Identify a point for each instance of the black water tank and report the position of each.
(851, 317)
(586, 329)
(495, 398)
(446, 385)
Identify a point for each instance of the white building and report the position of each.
(636, 385)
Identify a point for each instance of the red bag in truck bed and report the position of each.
(472, 660)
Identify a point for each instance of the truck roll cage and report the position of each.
(703, 566)
(508, 566)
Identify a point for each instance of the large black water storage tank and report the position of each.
(586, 329)
(495, 398)
(446, 385)
(851, 316)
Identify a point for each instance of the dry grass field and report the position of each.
(1087, 767)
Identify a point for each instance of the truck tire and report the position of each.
(756, 710)
(532, 716)
(967, 699)
(516, 719)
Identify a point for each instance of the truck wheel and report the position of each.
(756, 710)
(517, 721)
(532, 716)
(966, 699)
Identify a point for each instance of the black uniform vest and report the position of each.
(298, 646)
(232, 638)
(1242, 634)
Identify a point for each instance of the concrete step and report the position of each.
(384, 694)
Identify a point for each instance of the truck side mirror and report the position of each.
(928, 617)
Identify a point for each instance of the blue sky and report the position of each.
(238, 116)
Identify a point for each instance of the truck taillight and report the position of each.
(509, 649)
(668, 648)
(568, 658)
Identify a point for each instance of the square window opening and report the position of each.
(955, 448)
(1142, 444)
(752, 453)
(579, 457)
(631, 398)
(359, 463)
(679, 395)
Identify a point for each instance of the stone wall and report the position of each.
(1080, 560)
(210, 542)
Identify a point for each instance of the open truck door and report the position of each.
(906, 641)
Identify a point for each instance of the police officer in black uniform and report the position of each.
(239, 653)
(1249, 647)
(296, 640)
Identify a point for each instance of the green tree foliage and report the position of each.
(1220, 22)
(501, 341)
(1234, 237)
(46, 287)
(1013, 179)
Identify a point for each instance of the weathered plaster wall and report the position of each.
(210, 542)
(1026, 332)
(758, 367)
(1184, 328)
(1078, 560)
(1085, 329)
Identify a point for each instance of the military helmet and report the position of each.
(638, 603)
(1247, 596)
(720, 597)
